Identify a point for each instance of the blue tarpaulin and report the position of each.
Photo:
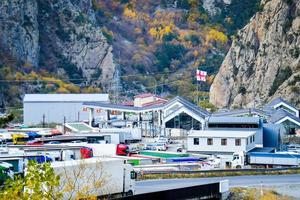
(183, 159)
(40, 159)
(33, 134)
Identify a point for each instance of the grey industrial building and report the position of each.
(53, 108)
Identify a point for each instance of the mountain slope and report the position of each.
(263, 61)
(59, 37)
(71, 46)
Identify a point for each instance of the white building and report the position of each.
(226, 135)
(52, 108)
(220, 141)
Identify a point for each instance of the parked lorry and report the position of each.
(100, 150)
(100, 177)
(19, 138)
(259, 159)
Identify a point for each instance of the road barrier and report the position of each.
(222, 172)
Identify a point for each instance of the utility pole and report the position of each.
(197, 93)
(64, 124)
(155, 85)
(116, 85)
(43, 120)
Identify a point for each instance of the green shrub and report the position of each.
(288, 2)
(169, 37)
(108, 35)
(295, 89)
(168, 52)
(282, 76)
(295, 80)
(80, 19)
(242, 90)
(207, 105)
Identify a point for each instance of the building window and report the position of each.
(237, 142)
(247, 140)
(209, 141)
(253, 139)
(196, 141)
(223, 142)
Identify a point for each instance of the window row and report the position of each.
(250, 139)
(223, 141)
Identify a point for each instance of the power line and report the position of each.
(160, 84)
(127, 91)
(79, 79)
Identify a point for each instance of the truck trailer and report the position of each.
(97, 177)
(260, 159)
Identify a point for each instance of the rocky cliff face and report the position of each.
(19, 33)
(263, 61)
(61, 36)
(211, 8)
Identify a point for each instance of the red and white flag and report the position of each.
(201, 75)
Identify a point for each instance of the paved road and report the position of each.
(234, 181)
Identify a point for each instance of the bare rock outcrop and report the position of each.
(263, 62)
(19, 34)
(56, 35)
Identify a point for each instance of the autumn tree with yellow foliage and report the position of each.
(159, 32)
(217, 36)
(130, 13)
(39, 182)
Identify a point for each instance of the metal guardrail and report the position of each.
(221, 171)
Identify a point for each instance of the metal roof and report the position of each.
(263, 150)
(79, 126)
(275, 155)
(66, 98)
(233, 120)
(72, 163)
(112, 106)
(221, 134)
(241, 112)
(197, 110)
(280, 114)
(270, 106)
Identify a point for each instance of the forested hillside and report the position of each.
(170, 39)
(122, 46)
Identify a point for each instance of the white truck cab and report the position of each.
(129, 183)
(238, 160)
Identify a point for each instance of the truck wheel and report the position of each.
(129, 193)
(239, 167)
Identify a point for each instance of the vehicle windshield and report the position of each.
(235, 157)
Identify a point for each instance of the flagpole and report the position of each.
(197, 93)
(201, 76)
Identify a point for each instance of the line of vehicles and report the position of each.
(20, 138)
(68, 151)
(91, 160)
(160, 144)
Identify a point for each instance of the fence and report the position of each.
(221, 172)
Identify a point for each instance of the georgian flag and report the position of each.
(201, 75)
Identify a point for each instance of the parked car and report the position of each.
(161, 139)
(155, 147)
